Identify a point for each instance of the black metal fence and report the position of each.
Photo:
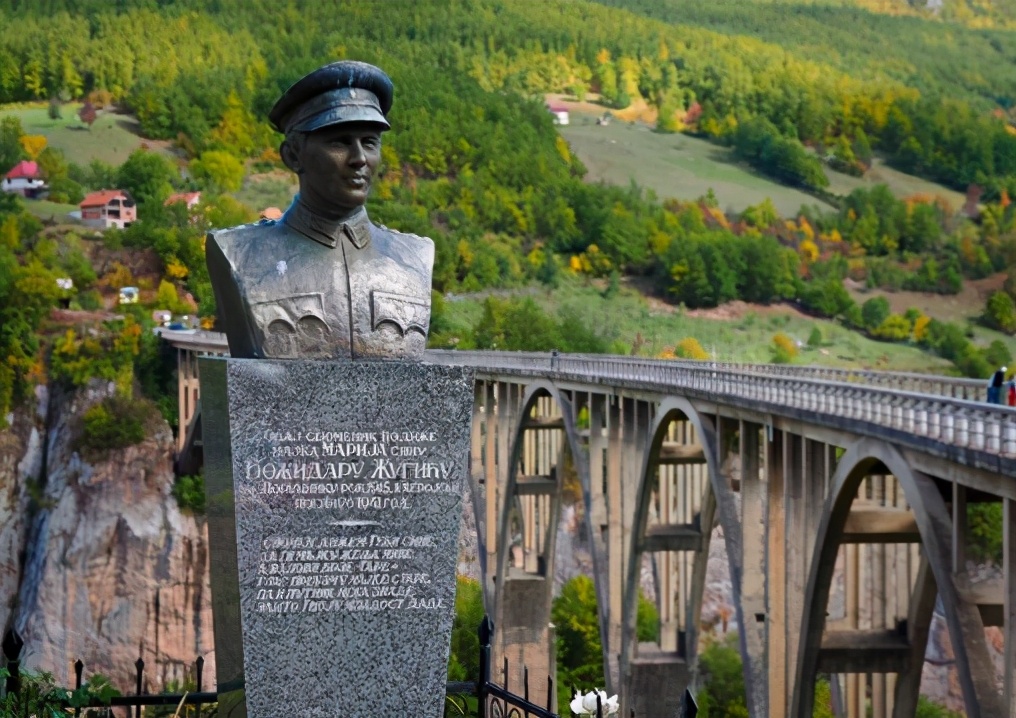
(492, 700)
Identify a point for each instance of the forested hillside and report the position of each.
(475, 162)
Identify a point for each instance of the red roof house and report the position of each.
(24, 179)
(560, 113)
(109, 208)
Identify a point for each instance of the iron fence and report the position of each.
(493, 699)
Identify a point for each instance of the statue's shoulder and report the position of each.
(244, 234)
(405, 241)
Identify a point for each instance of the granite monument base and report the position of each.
(334, 499)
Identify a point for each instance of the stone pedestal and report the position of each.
(334, 492)
(658, 678)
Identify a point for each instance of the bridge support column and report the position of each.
(188, 391)
(753, 580)
(615, 540)
(1009, 602)
(776, 630)
(597, 519)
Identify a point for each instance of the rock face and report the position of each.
(20, 466)
(113, 570)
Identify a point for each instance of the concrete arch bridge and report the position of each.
(842, 496)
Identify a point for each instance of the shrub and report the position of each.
(984, 525)
(815, 338)
(189, 492)
(927, 709)
(464, 659)
(894, 328)
(783, 349)
(1000, 312)
(874, 312)
(114, 423)
(689, 348)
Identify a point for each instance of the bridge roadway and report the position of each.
(843, 498)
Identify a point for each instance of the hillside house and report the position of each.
(24, 179)
(560, 113)
(109, 208)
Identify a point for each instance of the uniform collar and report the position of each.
(327, 231)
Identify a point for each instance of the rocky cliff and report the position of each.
(111, 568)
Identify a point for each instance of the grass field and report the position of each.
(900, 184)
(685, 167)
(111, 139)
(629, 317)
(674, 165)
(46, 210)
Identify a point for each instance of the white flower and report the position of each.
(585, 704)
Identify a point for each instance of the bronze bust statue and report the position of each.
(324, 281)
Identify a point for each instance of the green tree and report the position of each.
(11, 150)
(722, 695)
(1000, 312)
(875, 311)
(148, 176)
(579, 650)
(464, 659)
(218, 171)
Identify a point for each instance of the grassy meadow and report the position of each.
(111, 138)
(676, 166)
(685, 167)
(743, 334)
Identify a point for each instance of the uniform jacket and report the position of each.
(307, 287)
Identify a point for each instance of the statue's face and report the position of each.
(336, 165)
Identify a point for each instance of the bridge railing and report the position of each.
(955, 422)
(956, 387)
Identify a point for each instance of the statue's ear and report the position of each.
(290, 157)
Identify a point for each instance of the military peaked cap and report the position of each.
(345, 91)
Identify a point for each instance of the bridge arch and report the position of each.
(530, 508)
(648, 680)
(864, 458)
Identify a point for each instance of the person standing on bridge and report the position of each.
(1011, 393)
(995, 386)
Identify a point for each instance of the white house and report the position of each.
(560, 113)
(24, 179)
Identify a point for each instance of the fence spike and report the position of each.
(140, 665)
(599, 706)
(550, 691)
(486, 630)
(79, 670)
(525, 682)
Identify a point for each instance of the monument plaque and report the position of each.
(337, 486)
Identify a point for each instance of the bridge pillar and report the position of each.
(188, 392)
(615, 541)
(776, 631)
(1009, 602)
(671, 525)
(530, 508)
(753, 579)
(597, 520)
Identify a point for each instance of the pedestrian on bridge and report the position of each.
(995, 386)
(1011, 394)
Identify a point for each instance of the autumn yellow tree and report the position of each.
(33, 145)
